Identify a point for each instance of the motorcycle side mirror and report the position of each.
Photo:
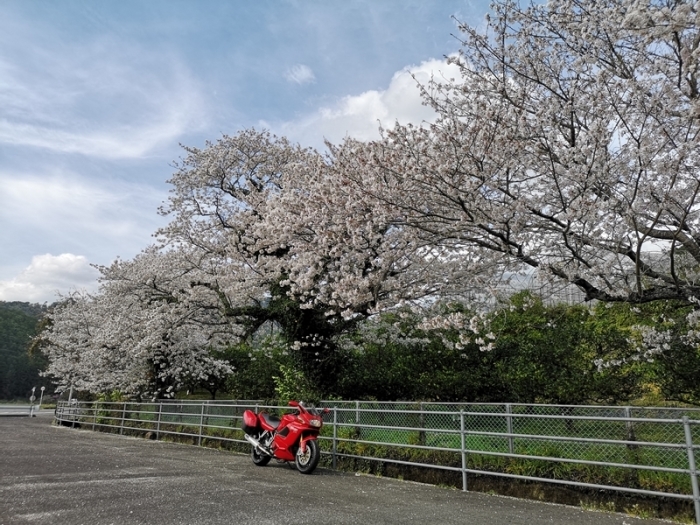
(293, 403)
(326, 410)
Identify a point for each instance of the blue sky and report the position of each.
(96, 97)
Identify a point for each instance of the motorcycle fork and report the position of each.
(303, 440)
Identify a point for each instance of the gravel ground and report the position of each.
(58, 475)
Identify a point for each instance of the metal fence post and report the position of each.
(335, 436)
(464, 450)
(691, 467)
(509, 428)
(121, 428)
(421, 425)
(629, 425)
(160, 410)
(633, 450)
(201, 424)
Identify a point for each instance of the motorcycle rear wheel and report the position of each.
(259, 458)
(308, 461)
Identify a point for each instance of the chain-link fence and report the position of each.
(605, 433)
(650, 451)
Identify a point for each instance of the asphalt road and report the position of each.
(56, 475)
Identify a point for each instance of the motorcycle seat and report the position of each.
(273, 421)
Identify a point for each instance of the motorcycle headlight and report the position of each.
(315, 423)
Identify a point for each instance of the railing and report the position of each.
(647, 451)
(17, 410)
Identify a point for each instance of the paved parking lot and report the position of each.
(56, 475)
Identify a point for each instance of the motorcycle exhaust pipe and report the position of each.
(256, 444)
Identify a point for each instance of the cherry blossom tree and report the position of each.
(143, 334)
(568, 146)
(279, 238)
(261, 235)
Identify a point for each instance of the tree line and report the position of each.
(562, 354)
(19, 368)
(559, 354)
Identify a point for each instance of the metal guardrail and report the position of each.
(16, 410)
(648, 451)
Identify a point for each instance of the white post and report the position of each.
(32, 398)
(41, 398)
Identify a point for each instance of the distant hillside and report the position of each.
(19, 371)
(32, 309)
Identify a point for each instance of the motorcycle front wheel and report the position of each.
(259, 458)
(308, 461)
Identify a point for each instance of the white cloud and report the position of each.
(122, 141)
(359, 116)
(104, 99)
(300, 74)
(47, 276)
(60, 212)
(63, 201)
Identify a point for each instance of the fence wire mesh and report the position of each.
(531, 430)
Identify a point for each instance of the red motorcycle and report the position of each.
(291, 438)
